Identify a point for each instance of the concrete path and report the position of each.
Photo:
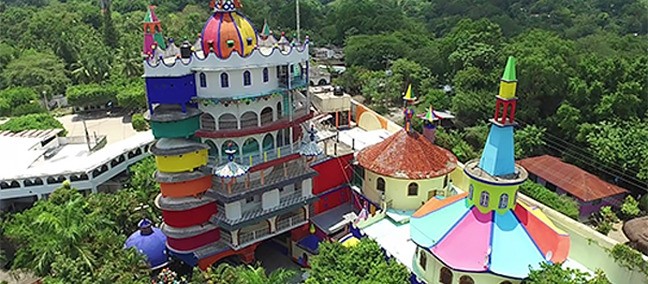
(116, 126)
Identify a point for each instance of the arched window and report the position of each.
(466, 280)
(266, 76)
(247, 78)
(266, 116)
(412, 189)
(249, 119)
(213, 149)
(445, 277)
(445, 181)
(470, 192)
(380, 185)
(484, 198)
(280, 138)
(268, 142)
(226, 147)
(250, 147)
(224, 80)
(422, 259)
(227, 121)
(503, 201)
(279, 110)
(203, 80)
(207, 122)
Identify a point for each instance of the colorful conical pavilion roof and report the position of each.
(506, 244)
(509, 70)
(266, 29)
(409, 95)
(227, 31)
(150, 16)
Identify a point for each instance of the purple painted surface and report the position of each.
(171, 90)
(588, 208)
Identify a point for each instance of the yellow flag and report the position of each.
(408, 95)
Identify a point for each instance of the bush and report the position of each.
(630, 208)
(560, 203)
(28, 108)
(132, 96)
(605, 219)
(12, 98)
(90, 95)
(643, 203)
(139, 123)
(32, 121)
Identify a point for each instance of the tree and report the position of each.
(605, 220)
(374, 52)
(363, 263)
(529, 141)
(110, 35)
(555, 273)
(32, 121)
(90, 95)
(630, 208)
(12, 98)
(43, 72)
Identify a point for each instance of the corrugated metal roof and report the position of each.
(572, 179)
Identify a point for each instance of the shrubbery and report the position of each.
(605, 219)
(32, 121)
(90, 95)
(139, 123)
(630, 208)
(19, 101)
(560, 203)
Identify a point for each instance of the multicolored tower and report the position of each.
(152, 33)
(228, 112)
(486, 235)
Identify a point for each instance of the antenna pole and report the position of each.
(297, 18)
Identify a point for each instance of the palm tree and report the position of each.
(257, 275)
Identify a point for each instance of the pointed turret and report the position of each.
(430, 121)
(409, 95)
(152, 32)
(498, 157)
(265, 32)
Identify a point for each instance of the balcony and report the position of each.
(281, 175)
(255, 159)
(286, 203)
(249, 237)
(295, 83)
(294, 220)
(228, 129)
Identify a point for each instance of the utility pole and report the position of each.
(87, 135)
(297, 18)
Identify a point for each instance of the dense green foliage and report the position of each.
(90, 94)
(630, 208)
(139, 123)
(18, 101)
(560, 203)
(32, 121)
(555, 273)
(363, 263)
(605, 220)
(226, 274)
(69, 238)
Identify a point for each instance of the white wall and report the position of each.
(270, 199)
(233, 210)
(236, 87)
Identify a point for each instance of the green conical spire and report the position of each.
(509, 71)
(266, 29)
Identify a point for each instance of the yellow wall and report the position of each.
(396, 190)
(432, 271)
(494, 194)
(181, 163)
(368, 121)
(458, 178)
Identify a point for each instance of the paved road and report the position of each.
(117, 127)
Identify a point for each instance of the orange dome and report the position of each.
(226, 32)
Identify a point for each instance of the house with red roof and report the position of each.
(590, 191)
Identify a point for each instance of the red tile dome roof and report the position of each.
(407, 156)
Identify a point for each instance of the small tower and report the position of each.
(495, 178)
(408, 111)
(152, 33)
(506, 100)
(430, 124)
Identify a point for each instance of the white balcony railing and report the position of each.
(253, 235)
(290, 222)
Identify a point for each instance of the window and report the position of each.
(445, 181)
(203, 80)
(224, 80)
(247, 80)
(422, 259)
(503, 202)
(380, 185)
(470, 192)
(483, 199)
(445, 277)
(266, 77)
(466, 280)
(249, 199)
(412, 189)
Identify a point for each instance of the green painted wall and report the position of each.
(176, 129)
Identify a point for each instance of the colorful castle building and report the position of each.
(227, 112)
(485, 235)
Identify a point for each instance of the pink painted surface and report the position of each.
(466, 246)
(148, 43)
